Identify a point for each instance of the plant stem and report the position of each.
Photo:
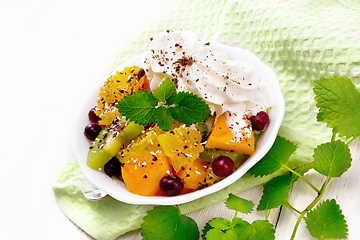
(290, 206)
(311, 205)
(302, 177)
(350, 141)
(333, 136)
(266, 215)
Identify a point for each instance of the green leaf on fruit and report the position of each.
(338, 102)
(189, 108)
(332, 159)
(166, 222)
(277, 156)
(275, 192)
(163, 106)
(139, 107)
(163, 118)
(326, 221)
(239, 204)
(166, 92)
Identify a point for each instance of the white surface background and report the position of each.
(51, 55)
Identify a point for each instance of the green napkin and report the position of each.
(301, 40)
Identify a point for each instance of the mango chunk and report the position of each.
(142, 175)
(194, 175)
(221, 137)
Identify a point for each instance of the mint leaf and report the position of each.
(277, 156)
(239, 204)
(166, 92)
(216, 234)
(166, 222)
(205, 230)
(139, 107)
(239, 223)
(257, 230)
(217, 229)
(275, 192)
(190, 108)
(220, 223)
(332, 159)
(327, 221)
(221, 228)
(241, 228)
(338, 102)
(163, 118)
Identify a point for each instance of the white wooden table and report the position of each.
(51, 52)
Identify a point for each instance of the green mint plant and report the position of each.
(337, 100)
(331, 159)
(166, 222)
(163, 106)
(237, 228)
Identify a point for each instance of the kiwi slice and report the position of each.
(110, 140)
(210, 154)
(205, 127)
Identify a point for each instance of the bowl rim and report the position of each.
(117, 189)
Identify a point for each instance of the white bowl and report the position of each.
(117, 188)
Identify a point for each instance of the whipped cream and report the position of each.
(228, 86)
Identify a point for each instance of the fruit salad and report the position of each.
(184, 119)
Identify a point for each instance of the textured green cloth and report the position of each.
(301, 40)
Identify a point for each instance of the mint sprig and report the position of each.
(163, 106)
